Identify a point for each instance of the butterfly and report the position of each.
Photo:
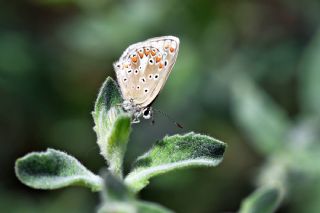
(142, 71)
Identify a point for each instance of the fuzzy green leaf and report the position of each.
(133, 207)
(117, 207)
(115, 190)
(117, 198)
(259, 116)
(112, 125)
(263, 200)
(54, 169)
(175, 152)
(109, 96)
(148, 207)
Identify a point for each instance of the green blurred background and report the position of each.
(55, 54)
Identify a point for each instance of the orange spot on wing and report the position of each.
(161, 65)
(140, 54)
(146, 52)
(153, 52)
(158, 58)
(172, 49)
(134, 59)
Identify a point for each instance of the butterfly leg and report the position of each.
(135, 120)
(136, 115)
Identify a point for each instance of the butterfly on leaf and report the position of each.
(142, 71)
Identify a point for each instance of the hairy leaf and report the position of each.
(148, 207)
(117, 198)
(175, 152)
(54, 169)
(112, 125)
(133, 207)
(115, 189)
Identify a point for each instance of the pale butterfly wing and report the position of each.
(144, 67)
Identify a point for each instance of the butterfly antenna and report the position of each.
(168, 117)
(152, 120)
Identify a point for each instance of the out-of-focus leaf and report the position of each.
(263, 121)
(273, 184)
(303, 161)
(112, 125)
(54, 169)
(175, 152)
(310, 78)
(263, 200)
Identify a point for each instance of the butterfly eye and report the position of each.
(147, 113)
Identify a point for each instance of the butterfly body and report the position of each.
(142, 71)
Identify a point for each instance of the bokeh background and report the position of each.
(55, 54)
